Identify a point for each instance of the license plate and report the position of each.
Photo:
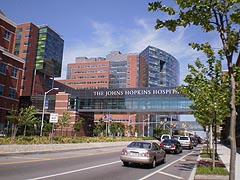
(133, 154)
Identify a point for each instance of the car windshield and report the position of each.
(143, 145)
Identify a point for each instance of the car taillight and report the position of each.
(173, 146)
(161, 145)
(146, 154)
(124, 152)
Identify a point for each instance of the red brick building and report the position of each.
(11, 69)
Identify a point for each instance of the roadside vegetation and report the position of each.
(205, 165)
(63, 139)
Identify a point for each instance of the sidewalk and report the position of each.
(224, 153)
(43, 148)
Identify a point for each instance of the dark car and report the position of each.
(171, 146)
(143, 152)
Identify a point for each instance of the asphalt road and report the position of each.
(93, 164)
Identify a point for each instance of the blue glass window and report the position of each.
(12, 93)
(3, 68)
(1, 90)
(14, 72)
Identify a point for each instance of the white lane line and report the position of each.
(74, 171)
(155, 172)
(167, 174)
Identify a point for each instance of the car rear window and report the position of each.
(183, 138)
(167, 141)
(165, 137)
(140, 145)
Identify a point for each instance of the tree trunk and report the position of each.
(232, 135)
(24, 132)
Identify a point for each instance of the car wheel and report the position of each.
(126, 163)
(164, 159)
(153, 165)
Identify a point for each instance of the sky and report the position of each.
(94, 28)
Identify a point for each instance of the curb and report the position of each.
(193, 173)
(7, 150)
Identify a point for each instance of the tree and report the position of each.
(78, 125)
(116, 128)
(23, 117)
(63, 121)
(99, 127)
(28, 117)
(207, 88)
(222, 17)
(14, 119)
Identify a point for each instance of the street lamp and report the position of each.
(143, 127)
(43, 109)
(129, 119)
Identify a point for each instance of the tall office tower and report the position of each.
(42, 49)
(11, 69)
(25, 47)
(48, 62)
(87, 73)
(163, 68)
(123, 70)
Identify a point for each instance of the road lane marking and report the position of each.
(159, 170)
(74, 171)
(171, 175)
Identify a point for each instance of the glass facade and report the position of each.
(118, 74)
(18, 40)
(49, 52)
(147, 100)
(163, 68)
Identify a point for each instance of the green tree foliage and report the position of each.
(64, 121)
(14, 118)
(221, 17)
(28, 117)
(22, 118)
(116, 128)
(99, 127)
(78, 125)
(206, 87)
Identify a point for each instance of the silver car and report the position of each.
(143, 152)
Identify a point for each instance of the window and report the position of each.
(1, 90)
(12, 92)
(7, 34)
(27, 36)
(14, 72)
(25, 52)
(27, 43)
(29, 28)
(3, 68)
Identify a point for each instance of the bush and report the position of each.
(63, 140)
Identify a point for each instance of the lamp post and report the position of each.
(143, 129)
(43, 109)
(129, 119)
